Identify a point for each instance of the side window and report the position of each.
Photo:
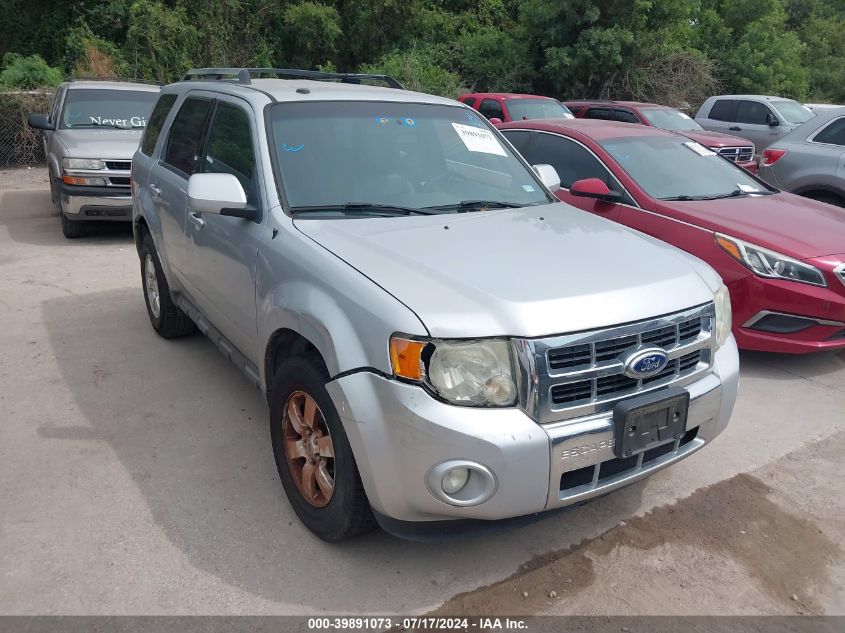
(492, 108)
(230, 150)
(54, 107)
(519, 139)
(470, 101)
(625, 116)
(156, 120)
(604, 114)
(184, 144)
(723, 110)
(833, 134)
(571, 160)
(752, 112)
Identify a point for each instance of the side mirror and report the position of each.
(772, 120)
(496, 120)
(593, 188)
(220, 194)
(40, 122)
(548, 175)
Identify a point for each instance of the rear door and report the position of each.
(145, 157)
(722, 115)
(492, 108)
(167, 186)
(222, 250)
(751, 122)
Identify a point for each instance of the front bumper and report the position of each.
(822, 311)
(95, 203)
(399, 433)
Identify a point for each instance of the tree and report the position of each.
(28, 72)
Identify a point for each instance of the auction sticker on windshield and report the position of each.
(479, 140)
(699, 149)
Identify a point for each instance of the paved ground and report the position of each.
(136, 477)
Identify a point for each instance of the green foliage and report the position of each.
(28, 72)
(661, 49)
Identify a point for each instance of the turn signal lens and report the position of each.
(80, 180)
(406, 357)
(730, 246)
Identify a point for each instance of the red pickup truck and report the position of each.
(739, 150)
(502, 107)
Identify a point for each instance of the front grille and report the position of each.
(118, 165)
(597, 473)
(120, 181)
(579, 374)
(737, 154)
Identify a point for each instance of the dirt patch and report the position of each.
(24, 178)
(731, 527)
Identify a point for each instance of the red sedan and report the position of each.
(782, 256)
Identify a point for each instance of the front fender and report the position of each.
(303, 287)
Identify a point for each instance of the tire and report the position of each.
(165, 316)
(346, 512)
(829, 198)
(72, 229)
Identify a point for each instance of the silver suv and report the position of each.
(758, 118)
(441, 343)
(90, 134)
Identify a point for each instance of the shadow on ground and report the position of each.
(194, 437)
(30, 218)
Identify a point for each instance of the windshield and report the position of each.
(793, 111)
(670, 119)
(520, 109)
(678, 169)
(124, 109)
(334, 156)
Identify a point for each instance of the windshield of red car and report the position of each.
(670, 119)
(675, 168)
(520, 109)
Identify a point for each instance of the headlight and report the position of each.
(469, 373)
(82, 163)
(724, 315)
(766, 263)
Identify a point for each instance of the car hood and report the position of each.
(523, 272)
(783, 222)
(98, 143)
(716, 139)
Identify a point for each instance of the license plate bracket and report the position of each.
(649, 420)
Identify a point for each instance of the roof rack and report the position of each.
(245, 75)
(126, 79)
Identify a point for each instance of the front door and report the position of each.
(752, 122)
(222, 251)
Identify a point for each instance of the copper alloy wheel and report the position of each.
(308, 449)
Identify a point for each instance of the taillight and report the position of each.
(771, 156)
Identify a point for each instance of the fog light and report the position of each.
(454, 480)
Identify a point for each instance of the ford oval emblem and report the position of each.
(645, 362)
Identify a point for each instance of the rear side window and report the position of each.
(184, 145)
(723, 110)
(833, 134)
(155, 122)
(519, 139)
(625, 116)
(230, 148)
(753, 113)
(470, 101)
(492, 108)
(603, 114)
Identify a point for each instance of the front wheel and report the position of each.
(72, 229)
(313, 456)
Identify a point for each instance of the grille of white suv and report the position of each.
(737, 154)
(579, 374)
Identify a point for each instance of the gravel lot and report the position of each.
(136, 477)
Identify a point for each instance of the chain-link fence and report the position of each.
(21, 145)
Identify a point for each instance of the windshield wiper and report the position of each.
(736, 193)
(114, 125)
(466, 205)
(385, 209)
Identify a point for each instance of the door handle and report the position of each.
(156, 192)
(196, 218)
(735, 128)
